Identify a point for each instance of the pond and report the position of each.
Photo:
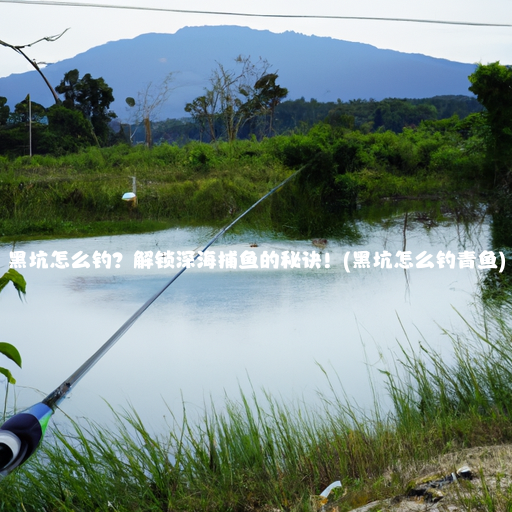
(217, 330)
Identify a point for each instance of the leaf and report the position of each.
(130, 101)
(11, 352)
(8, 374)
(16, 279)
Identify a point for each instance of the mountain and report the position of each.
(309, 66)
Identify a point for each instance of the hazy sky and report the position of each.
(92, 26)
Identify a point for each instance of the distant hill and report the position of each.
(309, 66)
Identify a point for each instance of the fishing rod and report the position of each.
(21, 434)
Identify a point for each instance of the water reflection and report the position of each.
(213, 330)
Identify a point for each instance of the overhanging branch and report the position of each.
(33, 63)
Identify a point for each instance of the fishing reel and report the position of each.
(20, 436)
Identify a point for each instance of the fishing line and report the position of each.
(21, 434)
(55, 397)
(250, 15)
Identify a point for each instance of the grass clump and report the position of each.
(265, 454)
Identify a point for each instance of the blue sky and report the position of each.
(95, 26)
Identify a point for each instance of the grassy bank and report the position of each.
(273, 456)
(80, 194)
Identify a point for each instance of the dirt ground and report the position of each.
(489, 489)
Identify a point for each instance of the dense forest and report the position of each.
(58, 131)
(294, 116)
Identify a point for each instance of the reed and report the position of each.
(262, 454)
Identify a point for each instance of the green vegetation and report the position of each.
(258, 455)
(254, 455)
(11, 352)
(6, 349)
(92, 98)
(492, 85)
(199, 183)
(363, 152)
(80, 194)
(300, 115)
(80, 120)
(235, 97)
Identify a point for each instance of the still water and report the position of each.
(215, 330)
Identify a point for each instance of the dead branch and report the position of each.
(33, 63)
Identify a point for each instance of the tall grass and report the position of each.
(80, 194)
(73, 194)
(255, 454)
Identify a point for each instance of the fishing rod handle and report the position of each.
(20, 436)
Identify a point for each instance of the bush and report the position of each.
(201, 157)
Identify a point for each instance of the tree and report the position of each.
(149, 101)
(68, 130)
(21, 112)
(4, 111)
(492, 84)
(268, 96)
(68, 87)
(237, 95)
(235, 92)
(92, 97)
(204, 111)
